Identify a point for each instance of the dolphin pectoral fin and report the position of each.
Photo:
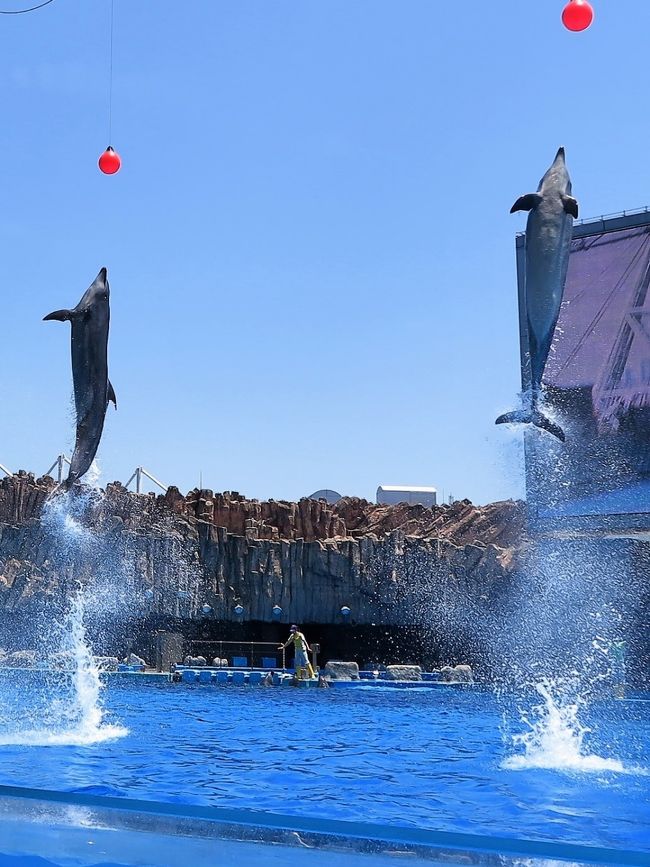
(111, 395)
(540, 421)
(59, 315)
(526, 203)
(570, 206)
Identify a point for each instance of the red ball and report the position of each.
(109, 162)
(577, 15)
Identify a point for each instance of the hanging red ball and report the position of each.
(109, 162)
(577, 15)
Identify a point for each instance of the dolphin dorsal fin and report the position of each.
(570, 206)
(527, 202)
(59, 315)
(111, 395)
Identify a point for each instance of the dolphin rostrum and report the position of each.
(92, 389)
(548, 237)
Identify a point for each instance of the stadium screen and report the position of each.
(597, 383)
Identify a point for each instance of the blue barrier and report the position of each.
(324, 834)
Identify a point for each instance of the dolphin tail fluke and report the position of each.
(67, 484)
(59, 315)
(62, 488)
(541, 421)
(519, 416)
(534, 416)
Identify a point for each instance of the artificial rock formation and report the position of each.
(339, 670)
(456, 583)
(403, 672)
(171, 555)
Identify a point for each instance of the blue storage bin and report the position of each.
(240, 662)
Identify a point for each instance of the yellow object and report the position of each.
(308, 669)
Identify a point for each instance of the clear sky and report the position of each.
(309, 247)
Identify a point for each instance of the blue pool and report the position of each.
(443, 760)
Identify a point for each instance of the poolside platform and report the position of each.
(231, 676)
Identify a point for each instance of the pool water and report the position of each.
(438, 759)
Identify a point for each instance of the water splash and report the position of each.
(66, 696)
(555, 736)
(85, 712)
(94, 474)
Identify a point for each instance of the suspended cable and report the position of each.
(110, 77)
(22, 11)
(110, 162)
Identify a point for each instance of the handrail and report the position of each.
(58, 463)
(592, 221)
(137, 475)
(244, 646)
(238, 643)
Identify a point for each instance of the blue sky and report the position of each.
(309, 246)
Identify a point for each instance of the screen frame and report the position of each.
(631, 524)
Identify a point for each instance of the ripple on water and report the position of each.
(430, 760)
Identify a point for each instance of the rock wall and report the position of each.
(169, 555)
(453, 584)
(310, 520)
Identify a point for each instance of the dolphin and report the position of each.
(92, 388)
(552, 210)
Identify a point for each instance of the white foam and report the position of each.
(554, 739)
(78, 738)
(561, 761)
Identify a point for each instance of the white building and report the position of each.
(389, 495)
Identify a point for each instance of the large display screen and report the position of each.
(597, 378)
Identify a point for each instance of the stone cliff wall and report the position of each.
(450, 584)
(169, 555)
(462, 523)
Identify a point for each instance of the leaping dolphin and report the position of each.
(92, 388)
(548, 237)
